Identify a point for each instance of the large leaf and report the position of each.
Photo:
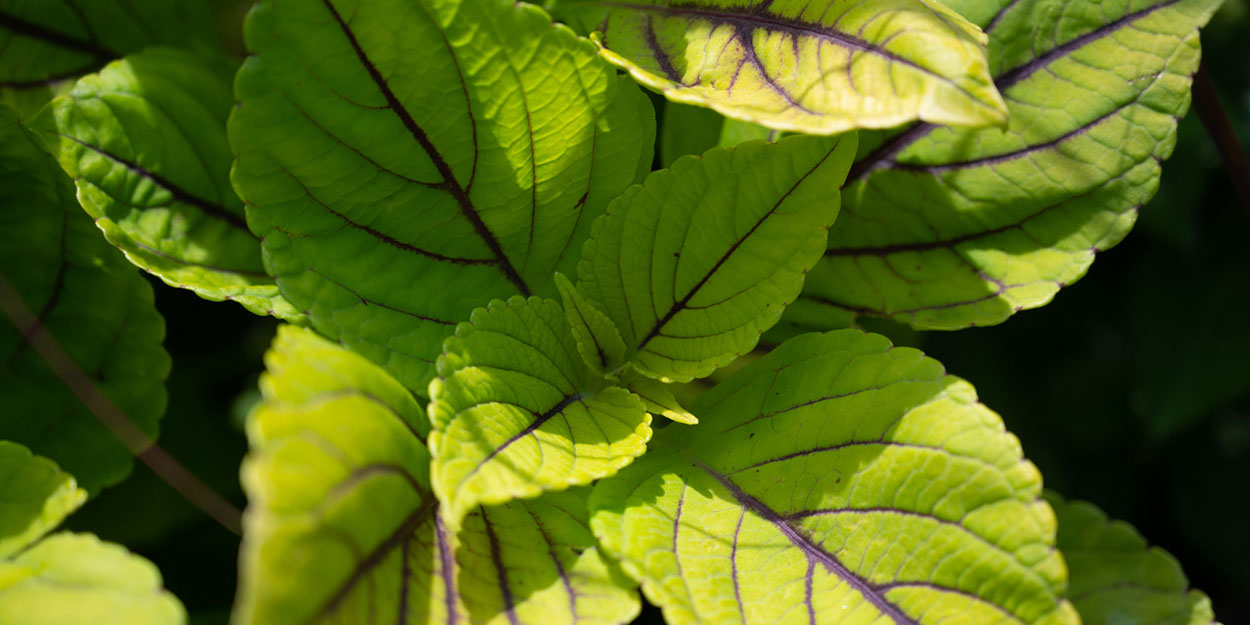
(62, 281)
(819, 67)
(342, 527)
(407, 161)
(46, 42)
(696, 262)
(837, 480)
(517, 410)
(145, 141)
(1115, 577)
(66, 579)
(945, 228)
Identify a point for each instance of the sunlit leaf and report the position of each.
(517, 411)
(145, 141)
(1115, 577)
(837, 480)
(406, 161)
(598, 340)
(342, 527)
(75, 289)
(35, 496)
(696, 262)
(819, 67)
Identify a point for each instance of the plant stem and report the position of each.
(1211, 112)
(139, 443)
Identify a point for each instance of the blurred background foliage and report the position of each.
(1130, 390)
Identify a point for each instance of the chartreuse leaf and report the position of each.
(1115, 577)
(66, 578)
(342, 526)
(60, 280)
(837, 480)
(947, 228)
(659, 399)
(392, 196)
(696, 262)
(517, 411)
(145, 141)
(598, 340)
(820, 67)
(49, 41)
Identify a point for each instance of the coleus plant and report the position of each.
(494, 302)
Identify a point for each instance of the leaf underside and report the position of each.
(84, 294)
(395, 196)
(342, 526)
(820, 67)
(946, 228)
(145, 142)
(517, 411)
(693, 264)
(837, 480)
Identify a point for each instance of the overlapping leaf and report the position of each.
(66, 578)
(1114, 577)
(145, 141)
(819, 67)
(696, 262)
(837, 480)
(342, 527)
(61, 279)
(46, 42)
(407, 161)
(946, 228)
(517, 411)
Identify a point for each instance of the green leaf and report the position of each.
(659, 399)
(946, 228)
(66, 579)
(342, 527)
(35, 496)
(696, 262)
(1115, 577)
(73, 579)
(835, 480)
(819, 67)
(598, 340)
(145, 141)
(49, 41)
(62, 283)
(394, 197)
(516, 410)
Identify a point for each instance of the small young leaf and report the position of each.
(342, 527)
(834, 480)
(696, 262)
(598, 340)
(145, 141)
(35, 496)
(516, 411)
(659, 399)
(49, 41)
(819, 67)
(1115, 577)
(949, 228)
(395, 196)
(76, 289)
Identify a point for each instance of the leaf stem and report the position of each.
(1211, 112)
(139, 443)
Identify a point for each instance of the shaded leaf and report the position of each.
(46, 42)
(394, 197)
(598, 340)
(1115, 577)
(696, 262)
(58, 270)
(837, 480)
(946, 228)
(35, 496)
(342, 527)
(516, 410)
(145, 142)
(818, 67)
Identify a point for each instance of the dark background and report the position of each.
(1130, 390)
